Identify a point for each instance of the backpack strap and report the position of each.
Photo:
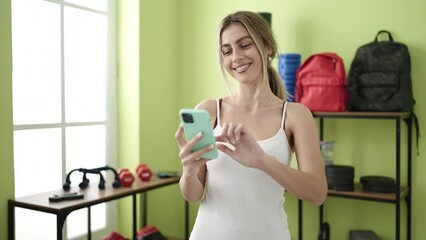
(416, 123)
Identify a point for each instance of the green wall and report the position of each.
(147, 93)
(128, 108)
(179, 69)
(6, 125)
(159, 81)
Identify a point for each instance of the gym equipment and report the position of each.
(378, 184)
(324, 232)
(150, 233)
(143, 172)
(113, 236)
(126, 177)
(340, 177)
(363, 235)
(85, 181)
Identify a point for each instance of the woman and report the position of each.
(242, 191)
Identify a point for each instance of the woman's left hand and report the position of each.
(245, 149)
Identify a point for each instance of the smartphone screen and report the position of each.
(195, 121)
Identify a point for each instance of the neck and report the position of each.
(245, 96)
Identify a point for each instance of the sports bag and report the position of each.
(321, 83)
(379, 78)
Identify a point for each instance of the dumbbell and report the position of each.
(126, 177)
(144, 172)
(114, 236)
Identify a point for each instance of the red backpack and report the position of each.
(321, 83)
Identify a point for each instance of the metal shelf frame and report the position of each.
(401, 193)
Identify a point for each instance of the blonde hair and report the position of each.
(262, 35)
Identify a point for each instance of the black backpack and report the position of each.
(379, 78)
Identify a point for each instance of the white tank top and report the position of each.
(243, 203)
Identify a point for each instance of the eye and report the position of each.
(226, 52)
(245, 46)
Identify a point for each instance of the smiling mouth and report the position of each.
(242, 68)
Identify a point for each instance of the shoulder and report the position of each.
(301, 125)
(210, 105)
(298, 116)
(298, 110)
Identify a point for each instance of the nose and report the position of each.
(237, 56)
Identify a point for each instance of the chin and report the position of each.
(246, 81)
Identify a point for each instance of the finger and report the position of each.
(237, 132)
(200, 162)
(199, 154)
(195, 156)
(223, 136)
(186, 149)
(230, 133)
(225, 149)
(193, 141)
(190, 145)
(179, 136)
(220, 138)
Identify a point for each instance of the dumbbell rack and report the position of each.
(92, 196)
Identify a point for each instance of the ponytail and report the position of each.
(275, 83)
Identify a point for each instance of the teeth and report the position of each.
(242, 68)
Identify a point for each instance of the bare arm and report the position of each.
(194, 169)
(192, 182)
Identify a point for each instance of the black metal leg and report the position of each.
(321, 209)
(134, 217)
(409, 159)
(409, 166)
(89, 226)
(186, 220)
(60, 220)
(300, 219)
(11, 220)
(398, 178)
(408, 202)
(58, 230)
(145, 208)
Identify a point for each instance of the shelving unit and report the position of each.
(92, 196)
(402, 193)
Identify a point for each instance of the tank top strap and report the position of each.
(283, 115)
(218, 107)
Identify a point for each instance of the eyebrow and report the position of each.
(238, 41)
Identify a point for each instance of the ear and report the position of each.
(269, 52)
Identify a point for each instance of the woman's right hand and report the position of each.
(191, 161)
(194, 167)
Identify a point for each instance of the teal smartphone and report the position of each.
(195, 121)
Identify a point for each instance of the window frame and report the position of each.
(110, 122)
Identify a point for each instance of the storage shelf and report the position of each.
(359, 193)
(403, 193)
(384, 115)
(173, 238)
